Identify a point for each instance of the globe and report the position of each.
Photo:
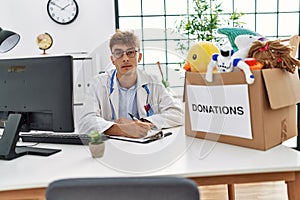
(44, 41)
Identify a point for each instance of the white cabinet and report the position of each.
(83, 72)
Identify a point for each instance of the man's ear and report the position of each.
(140, 57)
(112, 60)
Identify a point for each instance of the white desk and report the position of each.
(205, 162)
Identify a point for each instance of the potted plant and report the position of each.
(204, 20)
(96, 143)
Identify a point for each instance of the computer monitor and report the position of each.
(36, 93)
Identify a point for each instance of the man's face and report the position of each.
(125, 59)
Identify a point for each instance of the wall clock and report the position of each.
(62, 11)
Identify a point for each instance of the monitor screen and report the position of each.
(40, 89)
(36, 93)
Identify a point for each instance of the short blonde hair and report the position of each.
(124, 37)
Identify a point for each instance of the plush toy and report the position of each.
(244, 43)
(222, 61)
(273, 54)
(228, 59)
(234, 32)
(199, 56)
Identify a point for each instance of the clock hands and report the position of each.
(61, 8)
(65, 7)
(53, 3)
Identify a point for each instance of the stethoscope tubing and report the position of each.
(111, 89)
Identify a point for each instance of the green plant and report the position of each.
(204, 21)
(96, 137)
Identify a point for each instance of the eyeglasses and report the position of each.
(129, 52)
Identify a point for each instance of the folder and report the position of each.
(151, 137)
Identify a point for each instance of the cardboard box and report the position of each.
(272, 107)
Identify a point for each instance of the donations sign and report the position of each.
(222, 109)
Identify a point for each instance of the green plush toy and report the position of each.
(232, 33)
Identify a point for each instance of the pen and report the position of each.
(133, 117)
(167, 134)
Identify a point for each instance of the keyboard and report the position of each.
(55, 138)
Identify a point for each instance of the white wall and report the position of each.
(93, 26)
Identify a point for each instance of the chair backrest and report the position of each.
(123, 188)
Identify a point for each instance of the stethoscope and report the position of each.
(147, 106)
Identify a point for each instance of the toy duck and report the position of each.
(199, 56)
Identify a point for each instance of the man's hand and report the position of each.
(130, 128)
(135, 129)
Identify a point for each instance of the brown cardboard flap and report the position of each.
(283, 88)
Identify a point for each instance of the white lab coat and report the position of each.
(96, 113)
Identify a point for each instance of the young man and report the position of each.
(126, 101)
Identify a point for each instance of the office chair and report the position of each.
(123, 188)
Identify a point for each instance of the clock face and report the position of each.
(62, 11)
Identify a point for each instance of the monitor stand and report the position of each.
(10, 137)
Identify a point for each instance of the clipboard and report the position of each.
(149, 138)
